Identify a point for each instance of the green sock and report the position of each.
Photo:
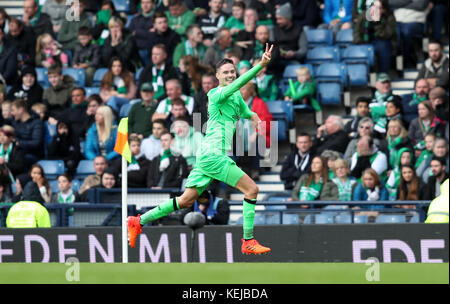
(248, 213)
(161, 210)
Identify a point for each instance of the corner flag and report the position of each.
(122, 146)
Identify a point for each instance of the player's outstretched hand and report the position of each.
(267, 56)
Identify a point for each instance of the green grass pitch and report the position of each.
(222, 273)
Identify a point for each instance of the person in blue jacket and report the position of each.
(371, 189)
(337, 15)
(101, 136)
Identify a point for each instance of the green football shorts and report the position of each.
(209, 167)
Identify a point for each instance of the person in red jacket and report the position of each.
(247, 139)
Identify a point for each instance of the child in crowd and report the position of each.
(346, 184)
(236, 22)
(304, 90)
(86, 54)
(6, 110)
(66, 195)
(48, 52)
(266, 83)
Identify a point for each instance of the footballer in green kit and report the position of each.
(226, 106)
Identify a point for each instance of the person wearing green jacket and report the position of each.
(29, 212)
(303, 91)
(405, 156)
(179, 17)
(193, 45)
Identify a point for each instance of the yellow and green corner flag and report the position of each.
(122, 147)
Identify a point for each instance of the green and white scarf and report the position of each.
(312, 192)
(392, 144)
(345, 189)
(5, 154)
(158, 81)
(67, 198)
(416, 100)
(119, 85)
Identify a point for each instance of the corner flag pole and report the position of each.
(123, 149)
(124, 210)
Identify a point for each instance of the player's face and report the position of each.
(226, 74)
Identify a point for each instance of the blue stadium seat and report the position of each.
(319, 37)
(125, 109)
(335, 209)
(98, 76)
(414, 219)
(85, 167)
(272, 218)
(52, 168)
(344, 38)
(321, 54)
(276, 207)
(291, 219)
(283, 113)
(329, 93)
(309, 219)
(76, 184)
(332, 72)
(259, 220)
(360, 219)
(358, 74)
(54, 185)
(122, 5)
(79, 75)
(359, 53)
(42, 77)
(391, 218)
(138, 74)
(129, 18)
(324, 219)
(91, 91)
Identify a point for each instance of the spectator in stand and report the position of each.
(57, 97)
(337, 15)
(101, 136)
(266, 84)
(383, 89)
(255, 50)
(331, 136)
(66, 146)
(159, 71)
(108, 180)
(29, 131)
(330, 157)
(174, 91)
(6, 112)
(167, 169)
(405, 156)
(410, 17)
(11, 154)
(162, 34)
(100, 31)
(66, 195)
(23, 39)
(56, 9)
(118, 86)
(93, 103)
(27, 88)
(201, 100)
(315, 185)
(140, 115)
(410, 188)
(140, 26)
(215, 209)
(86, 54)
(179, 17)
(392, 109)
(440, 149)
(38, 176)
(370, 189)
(439, 175)
(49, 52)
(435, 68)
(298, 162)
(303, 91)
(193, 45)
(425, 123)
(100, 164)
(439, 101)
(345, 183)
(137, 170)
(187, 141)
(191, 71)
(362, 111)
(120, 43)
(8, 60)
(380, 34)
(410, 101)
(365, 128)
(212, 21)
(424, 158)
(151, 146)
(291, 39)
(235, 23)
(436, 17)
(178, 110)
(33, 17)
(68, 34)
(223, 43)
(397, 138)
(368, 156)
(5, 20)
(246, 37)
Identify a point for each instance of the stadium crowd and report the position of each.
(155, 65)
